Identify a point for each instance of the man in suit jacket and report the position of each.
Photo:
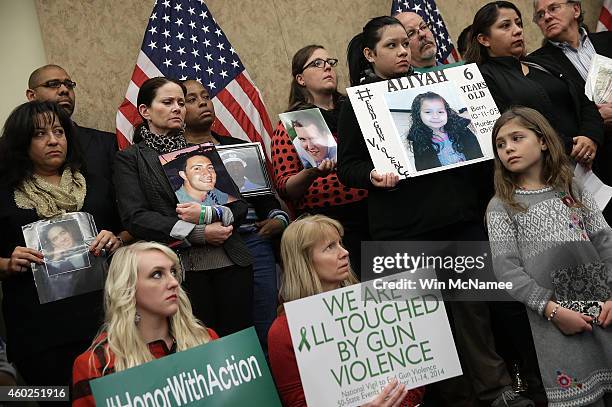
(52, 83)
(570, 47)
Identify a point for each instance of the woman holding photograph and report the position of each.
(265, 220)
(438, 136)
(43, 176)
(317, 189)
(498, 47)
(219, 276)
(314, 262)
(381, 52)
(148, 316)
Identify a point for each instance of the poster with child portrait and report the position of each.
(426, 122)
(310, 136)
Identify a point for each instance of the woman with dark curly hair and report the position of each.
(438, 135)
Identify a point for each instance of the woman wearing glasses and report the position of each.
(317, 189)
(498, 47)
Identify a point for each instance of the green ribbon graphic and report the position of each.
(304, 341)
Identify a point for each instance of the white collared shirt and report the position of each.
(580, 57)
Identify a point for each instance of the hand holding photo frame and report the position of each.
(69, 267)
(426, 122)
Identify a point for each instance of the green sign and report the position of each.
(230, 371)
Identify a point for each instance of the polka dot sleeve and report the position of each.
(324, 191)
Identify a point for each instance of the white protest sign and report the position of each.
(426, 122)
(352, 341)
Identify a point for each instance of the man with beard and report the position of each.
(52, 83)
(423, 46)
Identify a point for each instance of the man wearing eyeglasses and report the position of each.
(572, 48)
(423, 46)
(52, 83)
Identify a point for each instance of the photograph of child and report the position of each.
(434, 133)
(311, 137)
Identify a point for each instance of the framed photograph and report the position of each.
(427, 122)
(246, 164)
(63, 246)
(197, 174)
(310, 136)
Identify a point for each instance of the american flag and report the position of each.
(430, 13)
(605, 17)
(184, 41)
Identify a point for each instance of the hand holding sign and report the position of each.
(392, 395)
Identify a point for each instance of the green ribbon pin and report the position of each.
(304, 341)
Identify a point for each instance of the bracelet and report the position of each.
(219, 212)
(201, 215)
(553, 313)
(283, 220)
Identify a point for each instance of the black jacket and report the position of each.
(417, 205)
(509, 87)
(602, 42)
(147, 203)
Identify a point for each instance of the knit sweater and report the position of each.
(556, 250)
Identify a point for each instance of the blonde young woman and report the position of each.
(314, 261)
(148, 316)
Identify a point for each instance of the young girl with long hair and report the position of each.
(549, 239)
(314, 261)
(438, 135)
(147, 316)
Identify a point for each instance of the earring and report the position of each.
(137, 318)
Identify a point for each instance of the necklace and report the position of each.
(522, 191)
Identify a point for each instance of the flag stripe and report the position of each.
(147, 66)
(228, 121)
(235, 109)
(605, 17)
(255, 96)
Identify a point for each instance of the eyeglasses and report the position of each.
(320, 63)
(552, 9)
(56, 83)
(423, 27)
